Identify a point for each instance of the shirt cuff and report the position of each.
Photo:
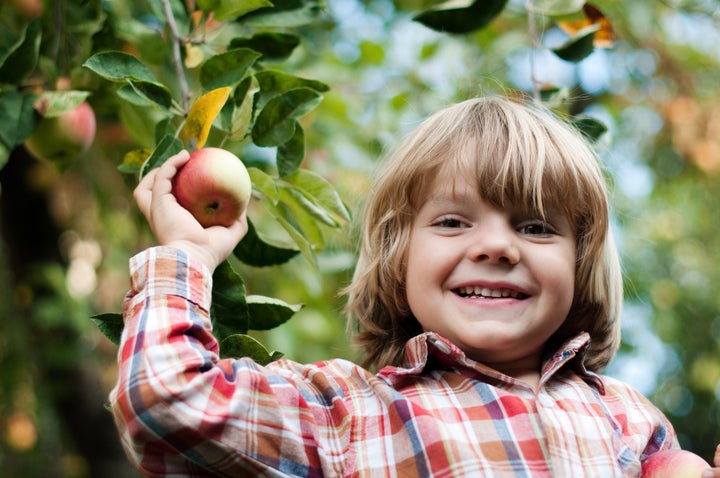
(166, 270)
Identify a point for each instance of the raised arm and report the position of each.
(180, 409)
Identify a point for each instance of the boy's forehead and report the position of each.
(464, 185)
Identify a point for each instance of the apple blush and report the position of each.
(673, 464)
(214, 186)
(63, 138)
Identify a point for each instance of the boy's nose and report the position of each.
(494, 243)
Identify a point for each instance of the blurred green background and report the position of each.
(67, 235)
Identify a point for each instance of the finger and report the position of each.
(178, 159)
(143, 192)
(163, 181)
(238, 229)
(716, 458)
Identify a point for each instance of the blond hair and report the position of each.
(519, 154)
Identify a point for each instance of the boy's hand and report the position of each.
(714, 472)
(174, 226)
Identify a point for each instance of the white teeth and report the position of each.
(476, 291)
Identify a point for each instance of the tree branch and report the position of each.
(535, 40)
(177, 58)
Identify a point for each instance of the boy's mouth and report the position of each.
(487, 293)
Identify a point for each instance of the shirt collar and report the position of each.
(429, 351)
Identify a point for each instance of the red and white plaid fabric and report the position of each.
(182, 411)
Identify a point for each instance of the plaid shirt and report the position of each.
(182, 411)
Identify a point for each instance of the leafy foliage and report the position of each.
(267, 115)
(650, 99)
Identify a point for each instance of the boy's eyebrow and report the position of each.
(445, 199)
(450, 193)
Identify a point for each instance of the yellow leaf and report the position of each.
(604, 36)
(202, 114)
(193, 56)
(133, 160)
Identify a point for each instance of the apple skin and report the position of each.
(29, 9)
(673, 464)
(214, 186)
(63, 138)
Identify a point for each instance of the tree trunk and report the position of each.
(62, 370)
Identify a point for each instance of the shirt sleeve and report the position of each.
(643, 426)
(183, 411)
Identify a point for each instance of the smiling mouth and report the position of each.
(487, 293)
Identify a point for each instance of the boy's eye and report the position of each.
(540, 228)
(448, 222)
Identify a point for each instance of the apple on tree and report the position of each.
(214, 186)
(673, 464)
(28, 8)
(63, 138)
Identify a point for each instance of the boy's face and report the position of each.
(496, 282)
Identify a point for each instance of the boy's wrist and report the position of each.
(196, 253)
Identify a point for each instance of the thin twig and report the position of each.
(177, 58)
(58, 32)
(532, 30)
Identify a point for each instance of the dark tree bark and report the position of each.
(65, 375)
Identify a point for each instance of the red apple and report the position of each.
(28, 8)
(63, 138)
(214, 186)
(673, 464)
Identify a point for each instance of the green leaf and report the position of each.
(122, 67)
(264, 183)
(57, 103)
(274, 82)
(590, 127)
(291, 153)
(167, 147)
(320, 191)
(268, 312)
(306, 248)
(131, 95)
(9, 41)
(272, 45)
(23, 56)
(229, 311)
(18, 118)
(254, 251)
(242, 113)
(4, 155)
(275, 124)
(241, 345)
(464, 19)
(305, 216)
(154, 93)
(302, 205)
(111, 325)
(579, 46)
(151, 46)
(557, 7)
(163, 128)
(554, 96)
(285, 13)
(227, 69)
(119, 67)
(227, 9)
(140, 122)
